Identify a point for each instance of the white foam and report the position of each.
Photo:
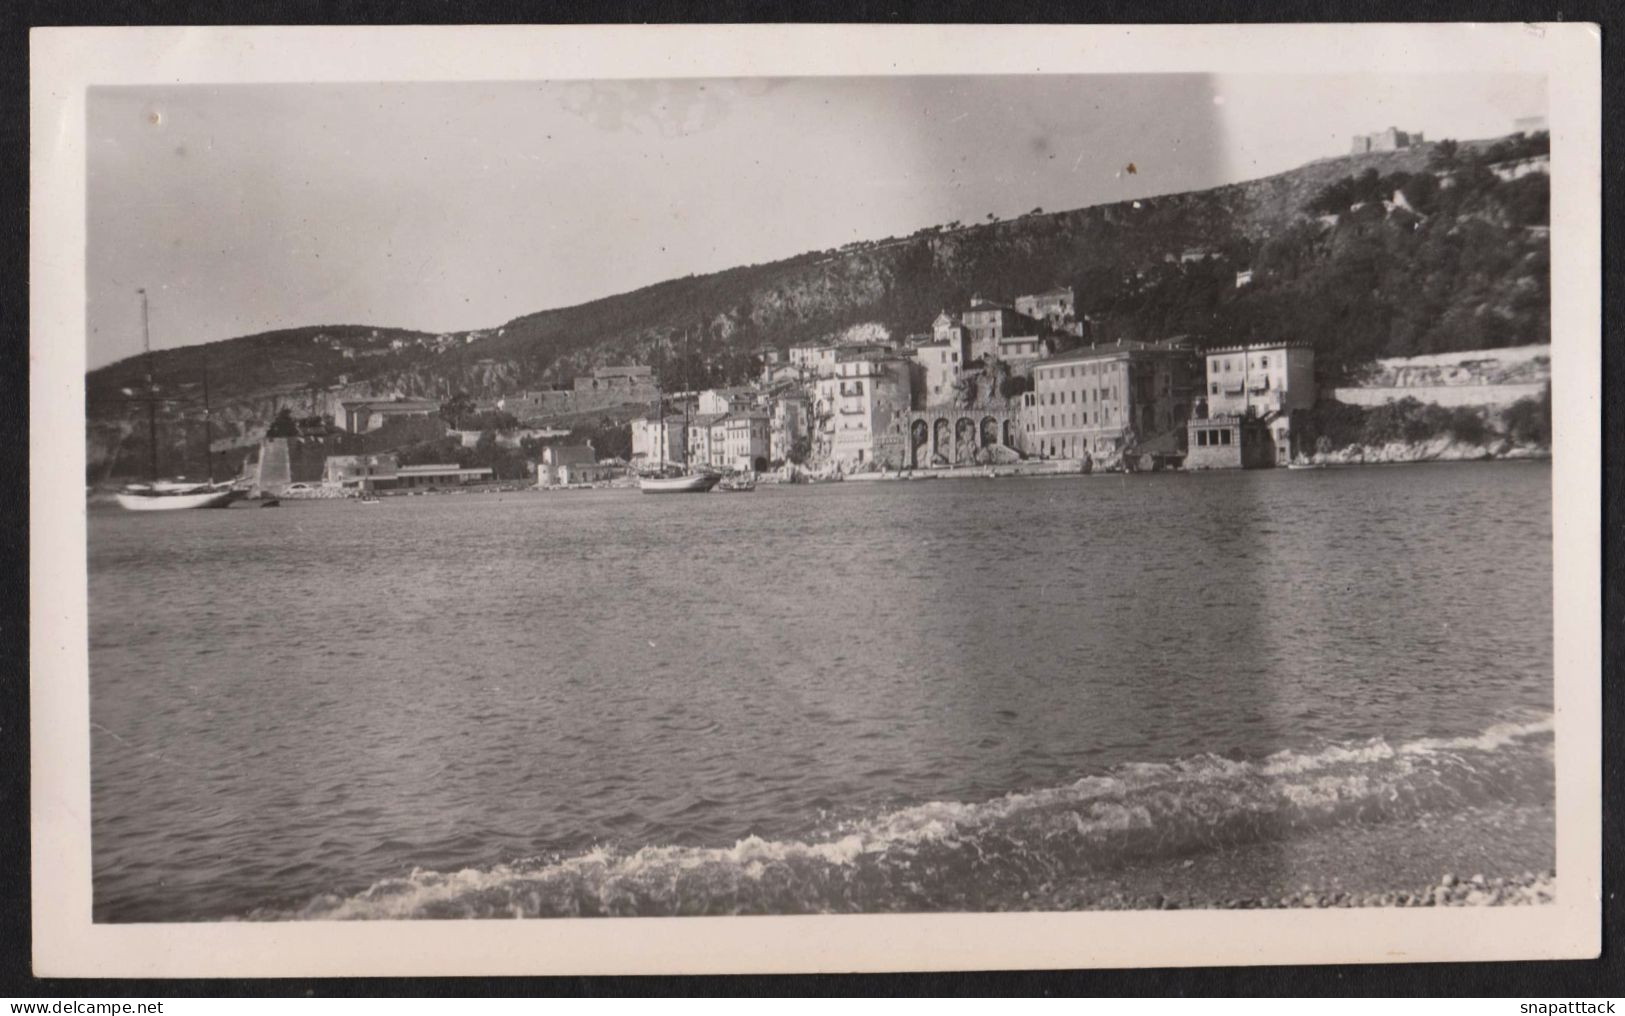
(1189, 799)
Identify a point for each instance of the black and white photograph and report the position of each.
(735, 495)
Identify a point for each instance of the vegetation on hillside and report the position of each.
(1331, 425)
(1457, 269)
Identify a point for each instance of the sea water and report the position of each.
(948, 695)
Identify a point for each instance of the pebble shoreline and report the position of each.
(1527, 889)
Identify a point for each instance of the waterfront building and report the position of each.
(441, 474)
(742, 441)
(1269, 381)
(352, 471)
(1229, 442)
(857, 406)
(1102, 400)
(699, 438)
(654, 439)
(366, 415)
(553, 469)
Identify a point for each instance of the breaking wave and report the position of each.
(954, 855)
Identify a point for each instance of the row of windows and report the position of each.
(1212, 438)
(1077, 420)
(1086, 370)
(1264, 384)
(1067, 447)
(1089, 395)
(1214, 366)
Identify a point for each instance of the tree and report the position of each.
(1015, 386)
(1445, 155)
(455, 408)
(799, 450)
(283, 425)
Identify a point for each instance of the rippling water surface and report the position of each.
(847, 697)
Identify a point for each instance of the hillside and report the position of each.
(1351, 288)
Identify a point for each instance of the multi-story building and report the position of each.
(655, 440)
(1019, 348)
(1268, 381)
(857, 405)
(791, 423)
(996, 331)
(986, 320)
(699, 438)
(817, 360)
(1101, 400)
(940, 363)
(949, 329)
(741, 440)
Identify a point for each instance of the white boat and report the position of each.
(165, 497)
(689, 483)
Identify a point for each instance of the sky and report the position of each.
(450, 206)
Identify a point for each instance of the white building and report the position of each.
(940, 362)
(1269, 380)
(857, 405)
(725, 400)
(742, 441)
(817, 360)
(654, 440)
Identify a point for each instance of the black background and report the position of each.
(1543, 980)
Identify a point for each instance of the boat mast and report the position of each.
(152, 392)
(208, 431)
(688, 381)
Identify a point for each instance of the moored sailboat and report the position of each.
(172, 495)
(690, 480)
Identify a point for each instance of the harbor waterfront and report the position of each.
(961, 695)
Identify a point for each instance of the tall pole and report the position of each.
(152, 392)
(208, 431)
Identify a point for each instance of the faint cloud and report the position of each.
(670, 108)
